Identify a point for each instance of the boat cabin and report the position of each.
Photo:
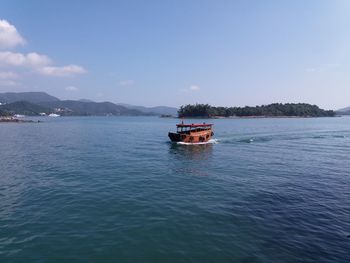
(188, 128)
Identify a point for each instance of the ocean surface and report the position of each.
(113, 189)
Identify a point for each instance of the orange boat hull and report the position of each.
(191, 137)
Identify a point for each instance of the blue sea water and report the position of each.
(113, 189)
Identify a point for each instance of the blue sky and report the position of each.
(229, 53)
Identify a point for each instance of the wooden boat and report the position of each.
(192, 133)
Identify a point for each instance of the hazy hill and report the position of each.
(24, 108)
(33, 103)
(85, 100)
(32, 97)
(344, 111)
(165, 110)
(81, 108)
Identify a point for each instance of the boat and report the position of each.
(192, 133)
(54, 115)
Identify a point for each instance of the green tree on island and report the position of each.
(271, 110)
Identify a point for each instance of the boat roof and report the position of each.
(194, 125)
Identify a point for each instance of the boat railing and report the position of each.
(197, 129)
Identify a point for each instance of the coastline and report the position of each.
(257, 117)
(16, 120)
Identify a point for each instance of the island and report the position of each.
(271, 110)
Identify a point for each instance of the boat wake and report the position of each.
(211, 141)
(285, 137)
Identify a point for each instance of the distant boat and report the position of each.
(54, 115)
(19, 116)
(192, 133)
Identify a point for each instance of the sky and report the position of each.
(176, 52)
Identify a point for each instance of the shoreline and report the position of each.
(258, 117)
(16, 120)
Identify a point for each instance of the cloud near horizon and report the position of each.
(61, 71)
(8, 75)
(194, 88)
(125, 83)
(39, 63)
(8, 79)
(71, 88)
(8, 83)
(8, 58)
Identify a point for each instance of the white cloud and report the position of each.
(41, 63)
(38, 63)
(128, 82)
(71, 88)
(8, 58)
(34, 59)
(9, 36)
(8, 75)
(194, 88)
(63, 71)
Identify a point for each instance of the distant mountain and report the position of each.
(23, 108)
(32, 97)
(160, 110)
(85, 100)
(344, 111)
(33, 103)
(79, 108)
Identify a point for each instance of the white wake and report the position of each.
(211, 141)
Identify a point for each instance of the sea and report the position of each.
(114, 189)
